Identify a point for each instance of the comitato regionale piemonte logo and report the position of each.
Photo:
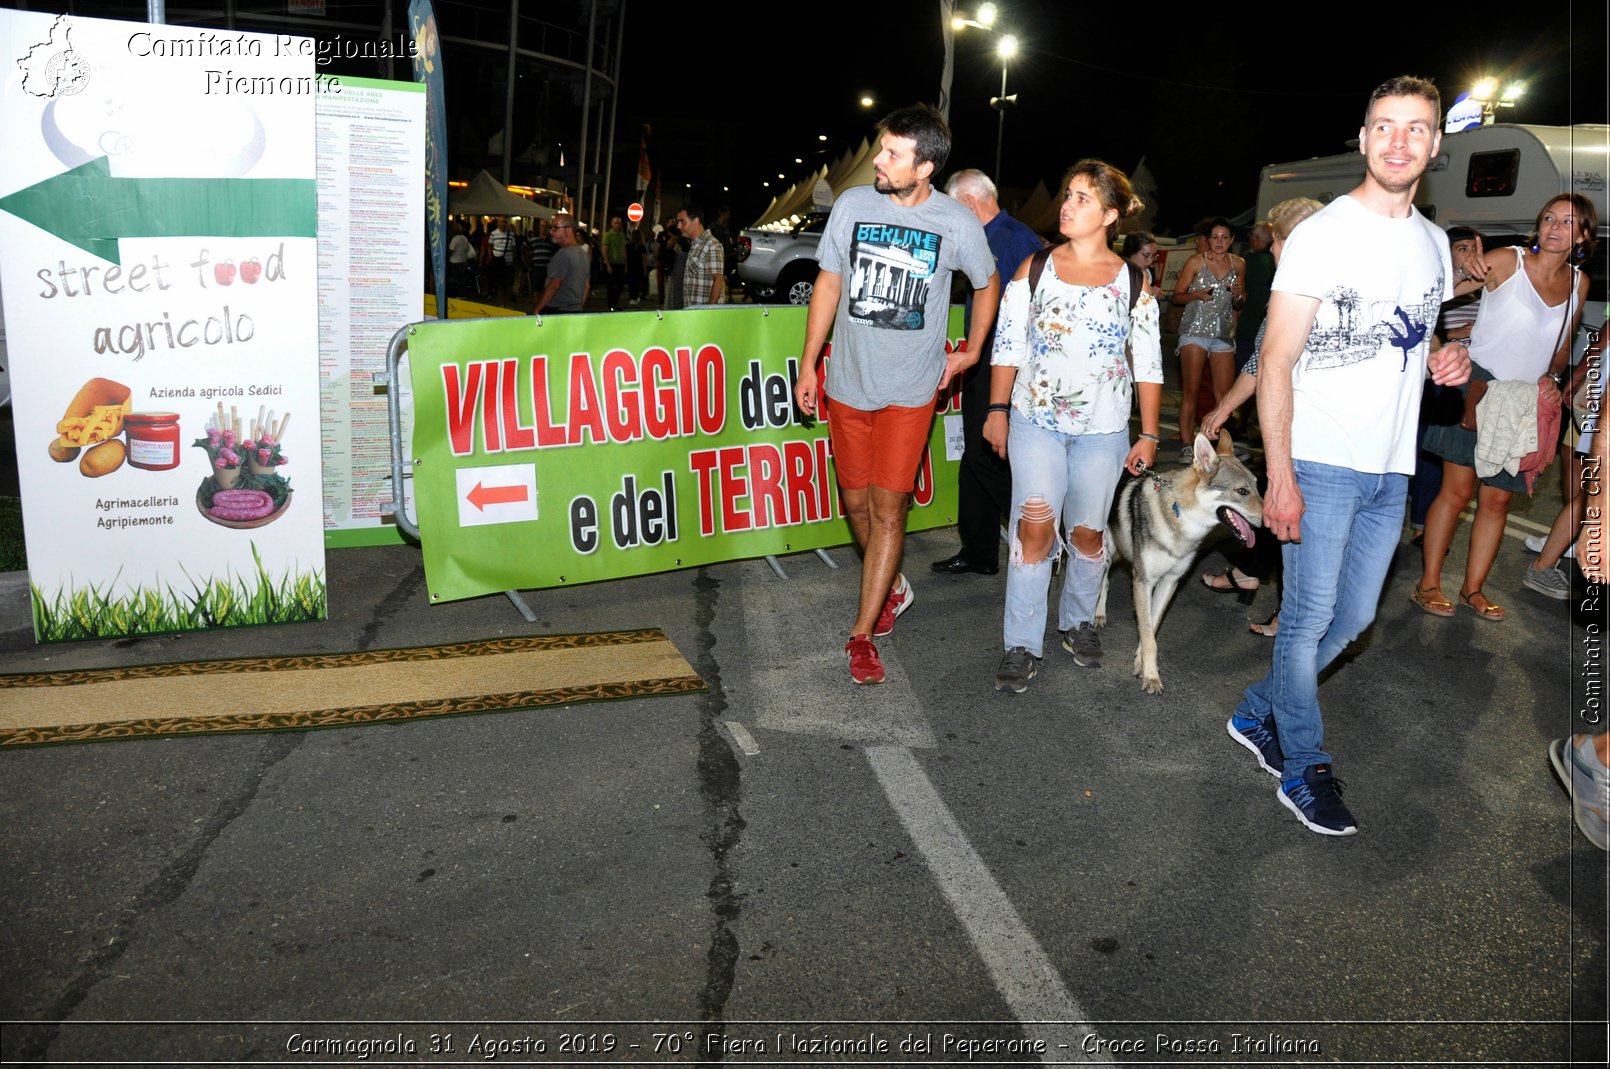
(52, 68)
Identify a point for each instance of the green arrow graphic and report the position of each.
(92, 210)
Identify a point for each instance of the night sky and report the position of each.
(1207, 98)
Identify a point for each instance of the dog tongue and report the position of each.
(1237, 523)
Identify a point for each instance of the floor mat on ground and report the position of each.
(333, 690)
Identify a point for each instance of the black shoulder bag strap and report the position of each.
(1036, 269)
(1137, 281)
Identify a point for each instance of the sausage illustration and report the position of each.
(241, 505)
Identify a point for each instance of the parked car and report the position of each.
(779, 265)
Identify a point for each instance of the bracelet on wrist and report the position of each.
(1150, 437)
(1000, 406)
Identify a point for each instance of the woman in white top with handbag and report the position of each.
(1523, 332)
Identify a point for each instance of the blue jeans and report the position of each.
(1350, 529)
(1077, 475)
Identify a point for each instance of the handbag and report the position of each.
(1441, 406)
(1585, 404)
(1476, 389)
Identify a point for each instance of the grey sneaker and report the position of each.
(1585, 777)
(1550, 582)
(1017, 668)
(1084, 644)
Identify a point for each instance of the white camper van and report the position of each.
(1493, 179)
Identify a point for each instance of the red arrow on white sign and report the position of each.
(482, 496)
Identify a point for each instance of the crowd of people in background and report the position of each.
(505, 261)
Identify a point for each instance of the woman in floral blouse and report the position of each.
(1068, 348)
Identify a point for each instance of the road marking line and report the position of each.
(1022, 973)
(740, 734)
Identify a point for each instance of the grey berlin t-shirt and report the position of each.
(895, 264)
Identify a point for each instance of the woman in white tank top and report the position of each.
(1523, 332)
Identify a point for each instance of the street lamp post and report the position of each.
(1485, 92)
(1006, 48)
(1000, 126)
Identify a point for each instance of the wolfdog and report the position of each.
(1161, 520)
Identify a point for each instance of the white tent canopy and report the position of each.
(485, 195)
(852, 169)
(859, 172)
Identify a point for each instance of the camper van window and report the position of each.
(1493, 174)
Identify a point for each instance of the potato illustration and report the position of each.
(62, 450)
(103, 459)
(95, 414)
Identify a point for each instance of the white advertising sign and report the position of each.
(157, 250)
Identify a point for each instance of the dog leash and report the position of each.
(1158, 482)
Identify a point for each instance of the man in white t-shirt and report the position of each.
(1350, 322)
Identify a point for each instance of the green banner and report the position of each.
(602, 446)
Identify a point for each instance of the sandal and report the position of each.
(1239, 587)
(1489, 611)
(1268, 628)
(1437, 605)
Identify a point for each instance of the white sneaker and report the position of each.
(1535, 543)
(1586, 778)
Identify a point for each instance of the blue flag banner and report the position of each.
(428, 69)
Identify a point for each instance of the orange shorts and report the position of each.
(881, 448)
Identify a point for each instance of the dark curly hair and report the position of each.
(1112, 189)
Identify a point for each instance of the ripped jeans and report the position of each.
(1077, 474)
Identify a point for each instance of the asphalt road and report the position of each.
(1083, 865)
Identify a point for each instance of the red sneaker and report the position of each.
(899, 601)
(864, 664)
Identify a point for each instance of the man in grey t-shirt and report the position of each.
(886, 262)
(568, 271)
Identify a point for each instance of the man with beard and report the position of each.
(887, 258)
(1344, 359)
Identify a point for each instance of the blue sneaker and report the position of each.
(1316, 798)
(1259, 737)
